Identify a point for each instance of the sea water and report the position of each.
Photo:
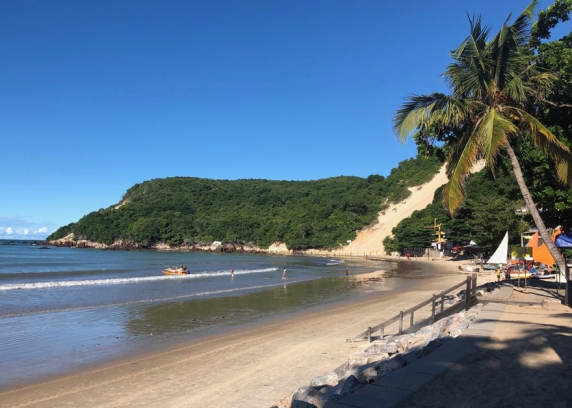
(63, 309)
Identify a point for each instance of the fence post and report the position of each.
(411, 320)
(468, 294)
(474, 284)
(382, 332)
(433, 309)
(442, 301)
(401, 322)
(369, 334)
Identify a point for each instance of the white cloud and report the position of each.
(20, 228)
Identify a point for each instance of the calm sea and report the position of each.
(63, 309)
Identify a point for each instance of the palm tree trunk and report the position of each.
(537, 220)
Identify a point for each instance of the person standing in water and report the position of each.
(232, 273)
(284, 273)
(347, 272)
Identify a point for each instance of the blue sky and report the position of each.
(96, 96)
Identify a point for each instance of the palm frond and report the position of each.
(506, 45)
(517, 89)
(494, 130)
(468, 74)
(421, 110)
(523, 24)
(459, 164)
(457, 150)
(477, 37)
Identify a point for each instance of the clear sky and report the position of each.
(96, 96)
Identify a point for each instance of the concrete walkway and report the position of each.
(397, 386)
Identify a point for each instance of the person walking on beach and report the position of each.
(499, 273)
(347, 272)
(284, 273)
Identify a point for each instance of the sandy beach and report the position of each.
(253, 366)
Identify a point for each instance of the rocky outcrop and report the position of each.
(70, 241)
(216, 246)
(278, 248)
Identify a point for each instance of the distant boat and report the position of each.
(176, 271)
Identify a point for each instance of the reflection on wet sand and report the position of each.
(198, 315)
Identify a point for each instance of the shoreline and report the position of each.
(251, 365)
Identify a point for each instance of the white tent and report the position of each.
(501, 254)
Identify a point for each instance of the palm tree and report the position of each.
(494, 86)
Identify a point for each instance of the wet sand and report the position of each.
(252, 366)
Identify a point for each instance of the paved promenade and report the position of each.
(513, 355)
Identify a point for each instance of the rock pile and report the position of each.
(391, 354)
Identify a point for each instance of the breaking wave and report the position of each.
(122, 281)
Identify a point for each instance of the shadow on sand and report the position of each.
(526, 363)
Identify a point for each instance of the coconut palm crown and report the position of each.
(494, 86)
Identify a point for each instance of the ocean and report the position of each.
(66, 309)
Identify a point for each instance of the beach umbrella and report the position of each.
(563, 240)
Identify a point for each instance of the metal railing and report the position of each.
(470, 300)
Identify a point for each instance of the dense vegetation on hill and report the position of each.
(303, 214)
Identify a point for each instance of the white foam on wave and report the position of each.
(334, 262)
(120, 281)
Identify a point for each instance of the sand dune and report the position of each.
(370, 240)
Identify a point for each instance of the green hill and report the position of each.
(303, 214)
